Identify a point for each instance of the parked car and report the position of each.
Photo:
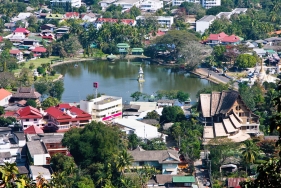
(215, 69)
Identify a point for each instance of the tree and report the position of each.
(246, 61)
(50, 101)
(72, 46)
(5, 122)
(133, 141)
(134, 11)
(2, 111)
(267, 146)
(136, 95)
(182, 97)
(249, 152)
(152, 115)
(31, 102)
(123, 160)
(63, 163)
(56, 89)
(154, 144)
(171, 114)
(217, 9)
(25, 77)
(7, 79)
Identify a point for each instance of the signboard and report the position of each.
(96, 85)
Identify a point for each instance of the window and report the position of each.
(25, 126)
(27, 120)
(141, 163)
(35, 119)
(238, 107)
(52, 145)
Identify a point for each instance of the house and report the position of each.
(17, 54)
(30, 116)
(11, 146)
(106, 3)
(163, 21)
(103, 108)
(223, 39)
(226, 15)
(123, 47)
(137, 51)
(131, 110)
(127, 4)
(210, 3)
(142, 130)
(55, 16)
(164, 160)
(239, 10)
(71, 15)
(145, 106)
(204, 23)
(73, 3)
(62, 30)
(45, 171)
(33, 130)
(20, 31)
(37, 153)
(165, 102)
(25, 93)
(234, 182)
(4, 97)
(131, 22)
(179, 2)
(183, 181)
(151, 6)
(62, 117)
(89, 17)
(225, 115)
(39, 50)
(52, 141)
(30, 42)
(21, 16)
(50, 27)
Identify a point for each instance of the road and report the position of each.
(201, 174)
(215, 76)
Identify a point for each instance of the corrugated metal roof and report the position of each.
(233, 182)
(183, 179)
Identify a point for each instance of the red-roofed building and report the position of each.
(73, 15)
(64, 116)
(131, 22)
(4, 97)
(33, 130)
(222, 38)
(30, 116)
(17, 54)
(234, 182)
(39, 50)
(21, 31)
(1, 39)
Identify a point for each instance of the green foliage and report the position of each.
(217, 9)
(172, 114)
(217, 87)
(133, 141)
(62, 163)
(253, 97)
(152, 115)
(136, 95)
(31, 102)
(2, 111)
(56, 89)
(5, 122)
(41, 70)
(246, 61)
(194, 9)
(249, 151)
(218, 52)
(50, 101)
(154, 144)
(182, 97)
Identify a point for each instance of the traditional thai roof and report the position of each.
(217, 103)
(33, 130)
(39, 50)
(26, 93)
(21, 30)
(29, 112)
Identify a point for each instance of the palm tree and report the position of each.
(123, 161)
(249, 152)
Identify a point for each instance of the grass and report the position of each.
(36, 62)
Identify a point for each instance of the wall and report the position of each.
(147, 131)
(41, 159)
(5, 101)
(170, 166)
(201, 26)
(25, 124)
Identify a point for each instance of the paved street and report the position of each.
(216, 76)
(201, 174)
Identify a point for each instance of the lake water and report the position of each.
(120, 79)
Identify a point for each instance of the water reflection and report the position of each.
(120, 79)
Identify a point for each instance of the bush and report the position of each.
(53, 73)
(41, 70)
(31, 66)
(260, 161)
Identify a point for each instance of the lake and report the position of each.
(120, 79)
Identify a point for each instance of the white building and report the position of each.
(127, 4)
(204, 23)
(211, 3)
(44, 171)
(151, 5)
(38, 153)
(74, 3)
(103, 108)
(21, 16)
(4, 97)
(106, 3)
(179, 2)
(142, 130)
(163, 21)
